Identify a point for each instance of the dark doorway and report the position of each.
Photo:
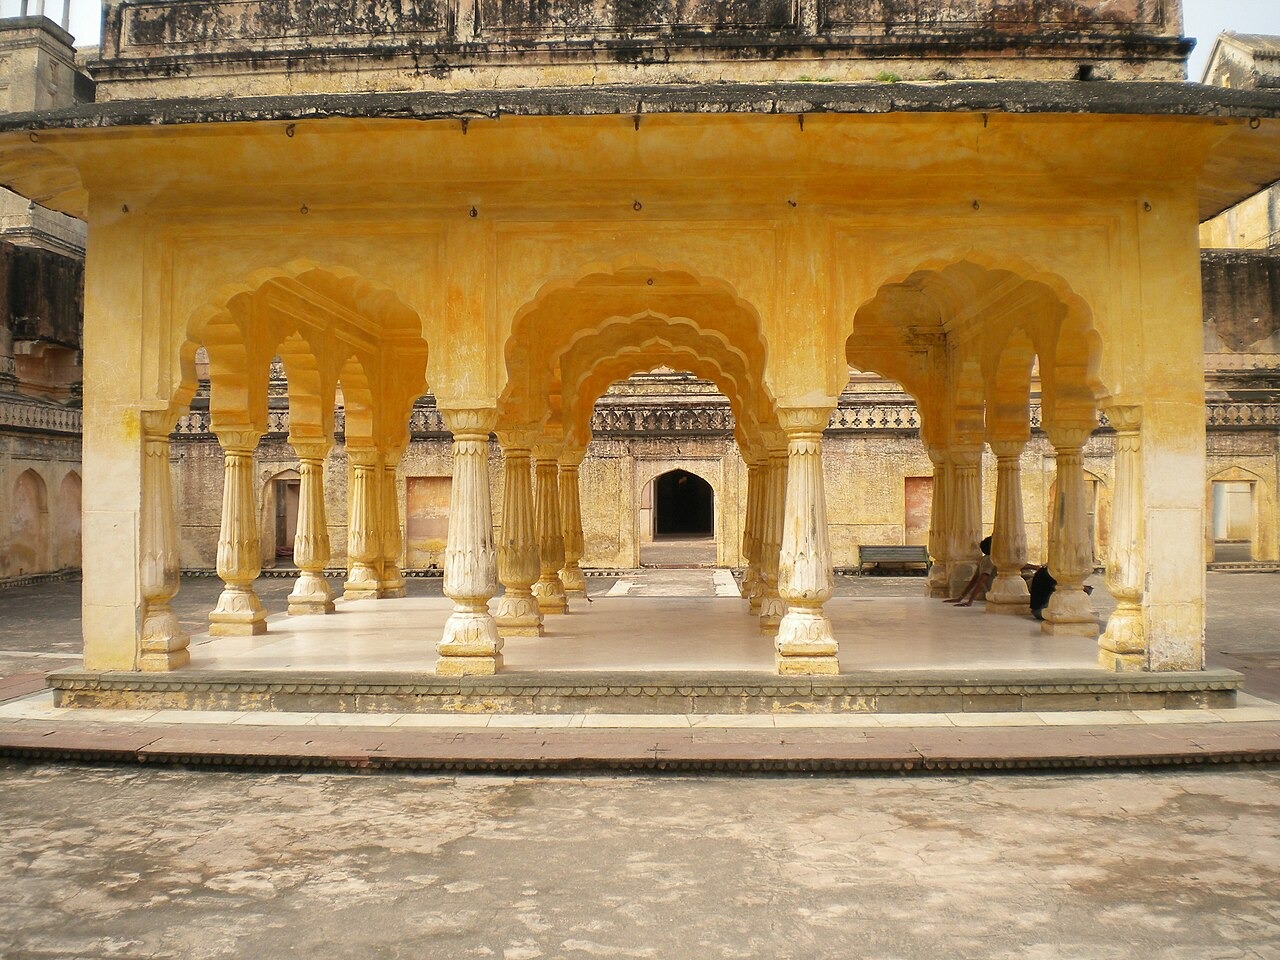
(684, 505)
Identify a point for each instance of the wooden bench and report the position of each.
(901, 556)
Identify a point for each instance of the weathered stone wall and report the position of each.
(39, 504)
(1241, 290)
(234, 47)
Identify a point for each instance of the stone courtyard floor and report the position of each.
(166, 861)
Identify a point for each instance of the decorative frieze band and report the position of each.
(697, 419)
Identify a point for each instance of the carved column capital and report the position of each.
(308, 448)
(239, 439)
(804, 421)
(1065, 436)
(470, 423)
(1008, 449)
(1124, 417)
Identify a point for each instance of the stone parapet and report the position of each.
(156, 48)
(28, 415)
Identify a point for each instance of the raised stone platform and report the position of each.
(667, 692)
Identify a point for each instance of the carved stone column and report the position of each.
(571, 522)
(311, 592)
(470, 644)
(805, 643)
(546, 517)
(1123, 645)
(772, 607)
(164, 643)
(1008, 594)
(364, 545)
(390, 581)
(1070, 552)
(939, 524)
(239, 612)
(518, 559)
(965, 516)
(751, 537)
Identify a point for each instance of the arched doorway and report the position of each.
(684, 506)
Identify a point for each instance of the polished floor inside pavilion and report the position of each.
(660, 620)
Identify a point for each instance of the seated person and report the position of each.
(1042, 587)
(980, 582)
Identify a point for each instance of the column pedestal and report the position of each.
(164, 642)
(1123, 645)
(1070, 553)
(936, 584)
(311, 593)
(571, 518)
(1008, 594)
(364, 547)
(549, 590)
(771, 607)
(805, 643)
(470, 644)
(518, 561)
(239, 612)
(965, 517)
(390, 580)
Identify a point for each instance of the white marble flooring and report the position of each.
(641, 633)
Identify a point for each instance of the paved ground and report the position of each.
(127, 863)
(164, 862)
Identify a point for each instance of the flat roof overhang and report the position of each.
(1244, 161)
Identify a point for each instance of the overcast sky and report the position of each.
(1204, 20)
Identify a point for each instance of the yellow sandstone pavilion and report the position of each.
(514, 207)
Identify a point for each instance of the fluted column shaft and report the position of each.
(1123, 645)
(311, 592)
(470, 644)
(772, 607)
(751, 537)
(1008, 594)
(805, 642)
(965, 517)
(364, 545)
(164, 643)
(239, 612)
(939, 524)
(518, 559)
(1070, 552)
(390, 580)
(571, 520)
(549, 589)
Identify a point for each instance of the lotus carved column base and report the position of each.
(470, 645)
(311, 594)
(573, 580)
(936, 585)
(1069, 613)
(772, 609)
(362, 582)
(550, 595)
(805, 644)
(959, 573)
(518, 615)
(238, 613)
(1009, 596)
(164, 645)
(1122, 648)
